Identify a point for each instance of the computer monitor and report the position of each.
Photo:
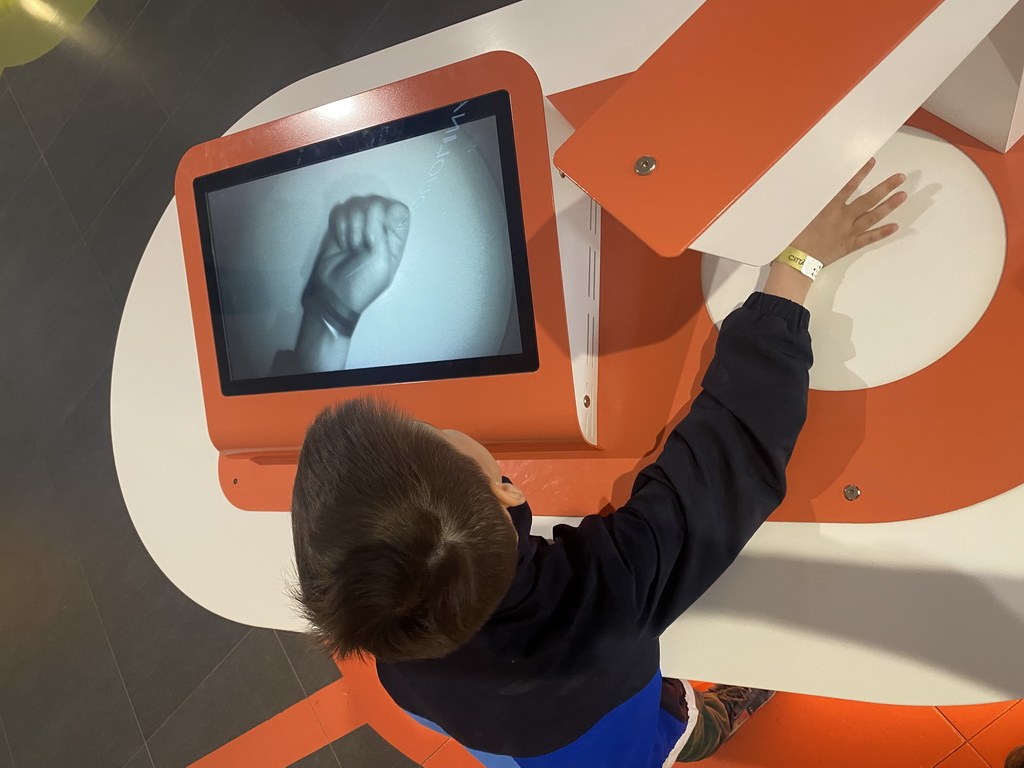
(400, 243)
(391, 254)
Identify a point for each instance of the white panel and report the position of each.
(982, 94)
(922, 612)
(1017, 126)
(579, 246)
(880, 612)
(781, 203)
(896, 307)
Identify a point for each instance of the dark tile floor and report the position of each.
(102, 661)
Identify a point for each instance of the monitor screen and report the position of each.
(393, 254)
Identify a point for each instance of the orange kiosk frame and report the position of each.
(258, 436)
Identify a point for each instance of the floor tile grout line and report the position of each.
(49, 171)
(307, 695)
(439, 748)
(92, 597)
(106, 636)
(981, 757)
(163, 111)
(993, 722)
(78, 227)
(952, 725)
(952, 752)
(135, 754)
(7, 742)
(198, 686)
(167, 124)
(334, 752)
(21, 114)
(288, 658)
(17, 189)
(330, 60)
(302, 687)
(103, 65)
(106, 62)
(99, 214)
(57, 429)
(983, 728)
(292, 15)
(118, 310)
(223, 42)
(369, 28)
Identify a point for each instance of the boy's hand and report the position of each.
(365, 241)
(843, 227)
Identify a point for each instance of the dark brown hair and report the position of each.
(402, 549)
(1016, 758)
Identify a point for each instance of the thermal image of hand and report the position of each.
(360, 255)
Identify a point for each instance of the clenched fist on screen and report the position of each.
(361, 252)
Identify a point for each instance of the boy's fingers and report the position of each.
(876, 214)
(877, 194)
(851, 186)
(874, 235)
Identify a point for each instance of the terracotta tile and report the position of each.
(1001, 737)
(971, 720)
(965, 757)
(805, 730)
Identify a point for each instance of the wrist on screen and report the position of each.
(341, 322)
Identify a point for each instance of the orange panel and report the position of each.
(1002, 737)
(893, 441)
(970, 720)
(917, 447)
(578, 110)
(721, 101)
(802, 731)
(965, 757)
(270, 427)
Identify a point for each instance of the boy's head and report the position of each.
(403, 542)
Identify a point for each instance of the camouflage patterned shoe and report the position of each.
(739, 702)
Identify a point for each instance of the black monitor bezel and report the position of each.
(496, 104)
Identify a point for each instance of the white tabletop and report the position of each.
(929, 611)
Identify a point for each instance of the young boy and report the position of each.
(412, 547)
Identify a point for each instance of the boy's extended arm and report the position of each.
(722, 470)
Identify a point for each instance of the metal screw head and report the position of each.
(851, 493)
(645, 165)
(586, 401)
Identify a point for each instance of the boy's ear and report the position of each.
(508, 495)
